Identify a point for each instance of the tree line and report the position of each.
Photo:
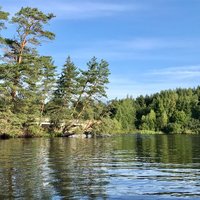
(31, 90)
(170, 111)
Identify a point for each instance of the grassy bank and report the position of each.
(148, 132)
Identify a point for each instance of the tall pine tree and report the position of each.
(21, 67)
(30, 32)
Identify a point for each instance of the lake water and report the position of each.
(121, 167)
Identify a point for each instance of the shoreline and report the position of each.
(85, 135)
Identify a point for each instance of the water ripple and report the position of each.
(124, 167)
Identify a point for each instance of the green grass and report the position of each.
(147, 132)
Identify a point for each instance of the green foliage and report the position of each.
(33, 130)
(30, 25)
(67, 84)
(78, 91)
(174, 128)
(106, 127)
(78, 130)
(126, 114)
(60, 107)
(149, 121)
(3, 18)
(179, 117)
(170, 111)
(148, 132)
(21, 71)
(48, 78)
(21, 63)
(193, 126)
(28, 90)
(10, 124)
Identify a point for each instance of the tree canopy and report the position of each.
(30, 91)
(170, 111)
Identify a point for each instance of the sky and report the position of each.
(150, 45)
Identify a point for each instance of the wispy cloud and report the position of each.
(178, 72)
(90, 9)
(142, 43)
(75, 9)
(132, 49)
(151, 43)
(86, 6)
(125, 86)
(153, 81)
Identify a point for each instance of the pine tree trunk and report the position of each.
(65, 99)
(79, 113)
(64, 102)
(84, 106)
(18, 61)
(42, 108)
(78, 100)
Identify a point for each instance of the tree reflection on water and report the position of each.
(76, 168)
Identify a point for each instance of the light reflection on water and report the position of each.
(122, 167)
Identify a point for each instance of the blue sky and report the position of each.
(150, 45)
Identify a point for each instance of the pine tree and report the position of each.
(21, 67)
(30, 32)
(60, 107)
(96, 78)
(87, 80)
(68, 83)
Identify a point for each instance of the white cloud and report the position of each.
(74, 9)
(178, 72)
(80, 6)
(131, 49)
(139, 87)
(89, 9)
(138, 43)
(153, 81)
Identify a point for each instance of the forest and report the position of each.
(170, 111)
(32, 91)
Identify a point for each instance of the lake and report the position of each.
(120, 167)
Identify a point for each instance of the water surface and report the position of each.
(122, 167)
